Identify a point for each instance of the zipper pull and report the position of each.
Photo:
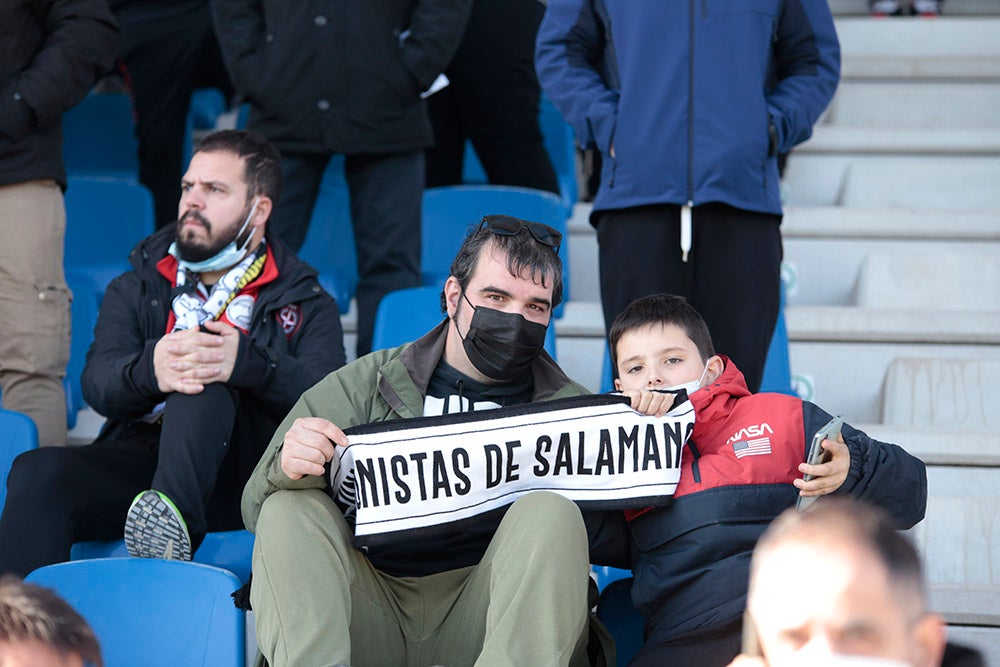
(686, 230)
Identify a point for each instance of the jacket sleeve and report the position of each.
(435, 30)
(80, 45)
(280, 377)
(571, 41)
(242, 38)
(342, 397)
(881, 473)
(118, 380)
(806, 70)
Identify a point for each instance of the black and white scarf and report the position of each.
(193, 304)
(431, 474)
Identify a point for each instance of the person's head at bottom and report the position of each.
(39, 629)
(504, 283)
(838, 585)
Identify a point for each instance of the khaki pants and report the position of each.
(319, 601)
(34, 306)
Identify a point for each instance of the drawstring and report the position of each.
(686, 230)
(460, 385)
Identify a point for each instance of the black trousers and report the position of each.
(732, 276)
(386, 191)
(60, 495)
(493, 100)
(168, 53)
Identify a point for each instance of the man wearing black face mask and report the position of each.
(198, 353)
(506, 590)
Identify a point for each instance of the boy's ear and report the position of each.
(715, 366)
(618, 384)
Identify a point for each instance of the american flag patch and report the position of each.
(754, 447)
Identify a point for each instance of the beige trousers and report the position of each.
(34, 306)
(318, 601)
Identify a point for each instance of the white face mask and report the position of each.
(800, 659)
(692, 386)
(229, 256)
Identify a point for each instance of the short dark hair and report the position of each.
(850, 521)
(525, 255)
(660, 309)
(263, 162)
(30, 613)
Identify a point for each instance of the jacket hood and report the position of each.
(714, 402)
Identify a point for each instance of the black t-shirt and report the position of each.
(450, 391)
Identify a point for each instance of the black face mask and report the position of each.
(502, 345)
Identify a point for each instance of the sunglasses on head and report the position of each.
(508, 225)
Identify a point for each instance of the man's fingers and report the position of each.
(324, 427)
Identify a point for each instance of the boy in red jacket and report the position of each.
(743, 466)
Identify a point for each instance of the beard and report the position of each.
(194, 250)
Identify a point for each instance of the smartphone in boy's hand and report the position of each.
(817, 455)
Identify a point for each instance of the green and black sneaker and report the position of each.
(154, 528)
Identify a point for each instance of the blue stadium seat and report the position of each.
(105, 219)
(99, 138)
(560, 144)
(230, 550)
(622, 620)
(18, 434)
(777, 367)
(606, 574)
(207, 104)
(407, 314)
(154, 612)
(450, 212)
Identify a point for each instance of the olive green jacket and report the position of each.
(387, 384)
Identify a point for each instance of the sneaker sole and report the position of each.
(154, 529)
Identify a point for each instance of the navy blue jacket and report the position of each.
(691, 561)
(698, 97)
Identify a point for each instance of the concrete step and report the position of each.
(860, 180)
(947, 393)
(950, 47)
(929, 105)
(941, 446)
(826, 245)
(951, 7)
(893, 141)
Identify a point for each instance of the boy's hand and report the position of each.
(747, 661)
(827, 477)
(652, 403)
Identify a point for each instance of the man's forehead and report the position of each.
(217, 166)
(492, 269)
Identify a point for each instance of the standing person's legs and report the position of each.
(195, 438)
(301, 174)
(386, 193)
(737, 286)
(56, 497)
(446, 157)
(167, 55)
(34, 306)
(639, 251)
(498, 94)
